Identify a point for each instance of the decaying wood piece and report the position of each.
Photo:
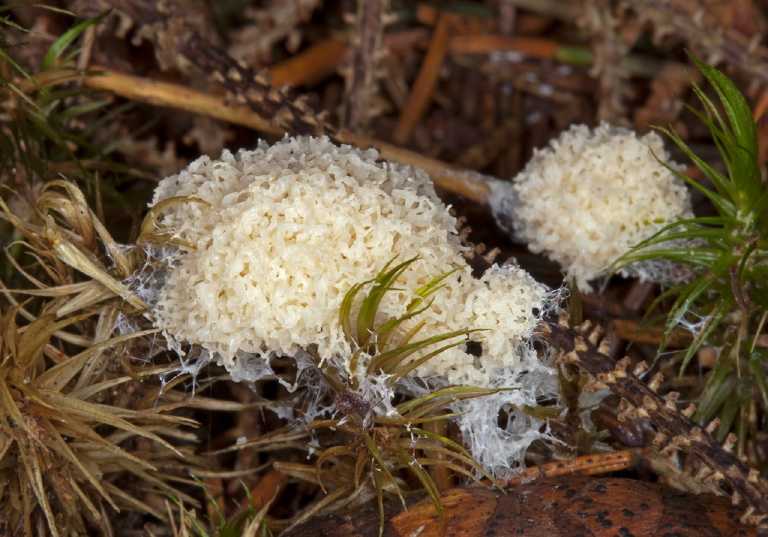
(585, 347)
(549, 507)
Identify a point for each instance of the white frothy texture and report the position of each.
(290, 228)
(591, 196)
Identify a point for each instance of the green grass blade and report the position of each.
(60, 45)
(200, 530)
(378, 486)
(404, 369)
(431, 287)
(723, 204)
(718, 388)
(385, 332)
(345, 313)
(419, 406)
(736, 108)
(713, 321)
(6, 57)
(387, 361)
(410, 422)
(410, 462)
(382, 284)
(79, 110)
(757, 360)
(381, 464)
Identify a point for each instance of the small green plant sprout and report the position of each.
(723, 299)
(41, 109)
(386, 438)
(250, 522)
(376, 342)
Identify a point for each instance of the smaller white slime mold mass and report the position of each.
(593, 194)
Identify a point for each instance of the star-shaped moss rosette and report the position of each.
(384, 438)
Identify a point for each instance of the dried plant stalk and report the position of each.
(470, 184)
(362, 76)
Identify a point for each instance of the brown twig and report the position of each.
(470, 184)
(467, 183)
(634, 331)
(600, 463)
(486, 44)
(155, 92)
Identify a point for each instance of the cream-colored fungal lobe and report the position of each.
(593, 194)
(288, 229)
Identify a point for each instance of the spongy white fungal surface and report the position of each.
(593, 194)
(287, 230)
